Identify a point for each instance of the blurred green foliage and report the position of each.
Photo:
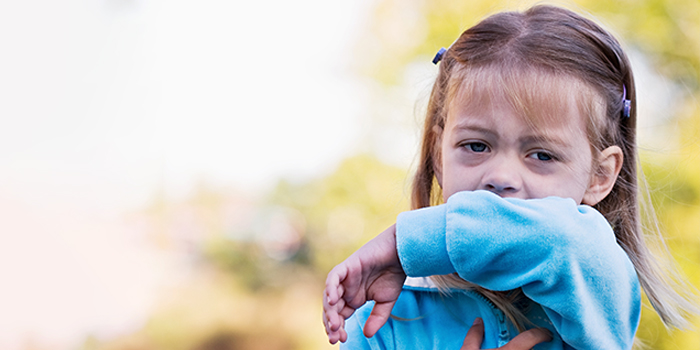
(674, 184)
(402, 31)
(347, 208)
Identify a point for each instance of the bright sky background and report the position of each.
(121, 92)
(104, 101)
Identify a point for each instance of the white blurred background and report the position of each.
(103, 103)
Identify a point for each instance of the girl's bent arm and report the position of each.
(563, 256)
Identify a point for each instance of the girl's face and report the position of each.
(489, 146)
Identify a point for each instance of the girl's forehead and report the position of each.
(540, 98)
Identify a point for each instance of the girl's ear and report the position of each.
(604, 177)
(437, 152)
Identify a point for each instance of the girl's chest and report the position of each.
(430, 320)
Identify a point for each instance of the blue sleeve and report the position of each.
(563, 256)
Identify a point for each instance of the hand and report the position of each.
(523, 341)
(373, 272)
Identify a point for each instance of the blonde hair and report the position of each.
(555, 44)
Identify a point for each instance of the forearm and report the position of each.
(563, 256)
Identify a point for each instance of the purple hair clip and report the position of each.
(626, 104)
(438, 55)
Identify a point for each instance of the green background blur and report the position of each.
(253, 263)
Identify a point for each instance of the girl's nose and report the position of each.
(503, 178)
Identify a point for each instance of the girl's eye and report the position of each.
(543, 156)
(477, 147)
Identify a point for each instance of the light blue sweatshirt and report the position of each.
(564, 256)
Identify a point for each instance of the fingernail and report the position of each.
(478, 321)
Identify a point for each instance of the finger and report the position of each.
(340, 290)
(333, 337)
(326, 304)
(328, 310)
(331, 318)
(339, 335)
(475, 336)
(343, 333)
(329, 325)
(333, 280)
(325, 315)
(380, 314)
(334, 292)
(336, 317)
(326, 324)
(529, 338)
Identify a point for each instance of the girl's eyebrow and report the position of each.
(549, 139)
(467, 126)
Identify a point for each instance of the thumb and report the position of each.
(475, 336)
(380, 314)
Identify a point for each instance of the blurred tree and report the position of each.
(402, 31)
(245, 278)
(347, 208)
(340, 211)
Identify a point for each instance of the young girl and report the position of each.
(530, 141)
